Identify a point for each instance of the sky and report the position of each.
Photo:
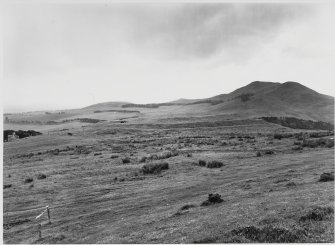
(71, 55)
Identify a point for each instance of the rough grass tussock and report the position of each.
(154, 168)
(41, 176)
(318, 214)
(214, 164)
(126, 160)
(28, 180)
(269, 234)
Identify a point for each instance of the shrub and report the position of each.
(326, 177)
(114, 156)
(212, 199)
(126, 160)
(7, 186)
(41, 176)
(28, 180)
(97, 154)
(214, 164)
(318, 214)
(202, 163)
(154, 168)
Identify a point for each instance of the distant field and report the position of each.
(98, 193)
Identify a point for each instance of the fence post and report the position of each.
(39, 231)
(48, 214)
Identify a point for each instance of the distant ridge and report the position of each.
(257, 99)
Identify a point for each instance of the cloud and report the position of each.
(42, 38)
(204, 30)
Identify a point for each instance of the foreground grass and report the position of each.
(94, 198)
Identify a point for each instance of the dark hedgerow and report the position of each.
(154, 168)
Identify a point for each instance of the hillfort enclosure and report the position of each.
(97, 147)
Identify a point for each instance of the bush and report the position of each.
(7, 186)
(41, 176)
(28, 180)
(326, 177)
(202, 163)
(212, 199)
(154, 168)
(318, 214)
(214, 164)
(114, 156)
(126, 160)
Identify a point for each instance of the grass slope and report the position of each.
(96, 197)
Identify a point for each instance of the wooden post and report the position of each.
(39, 231)
(48, 214)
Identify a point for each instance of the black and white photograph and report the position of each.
(164, 122)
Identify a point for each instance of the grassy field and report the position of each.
(98, 193)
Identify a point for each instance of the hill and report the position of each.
(289, 99)
(255, 100)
